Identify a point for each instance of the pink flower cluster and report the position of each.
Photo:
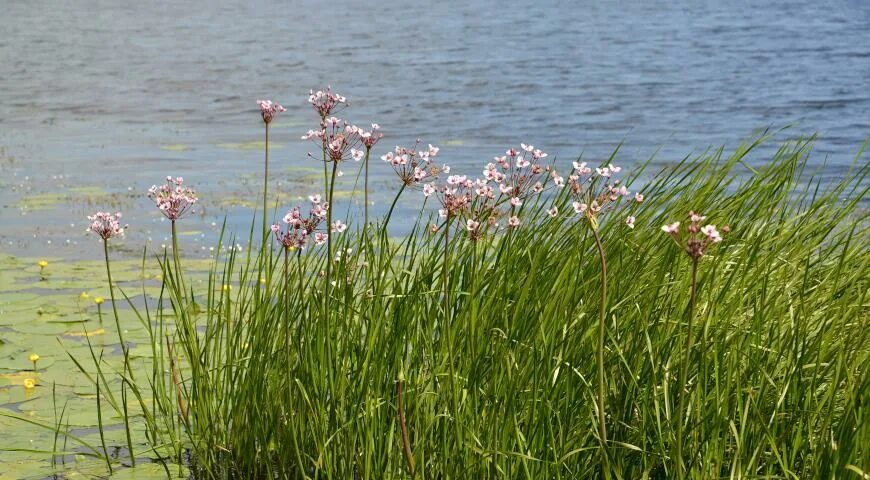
(107, 225)
(518, 175)
(697, 239)
(172, 198)
(506, 184)
(455, 196)
(325, 102)
(342, 141)
(300, 229)
(595, 191)
(415, 167)
(269, 110)
(370, 137)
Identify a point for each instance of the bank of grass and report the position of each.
(253, 378)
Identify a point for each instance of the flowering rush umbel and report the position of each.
(341, 141)
(107, 225)
(697, 239)
(325, 102)
(519, 174)
(303, 229)
(415, 167)
(506, 184)
(173, 198)
(269, 110)
(596, 191)
(370, 137)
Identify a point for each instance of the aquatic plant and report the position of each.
(268, 110)
(695, 242)
(594, 193)
(469, 348)
(33, 359)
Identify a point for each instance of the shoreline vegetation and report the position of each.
(550, 319)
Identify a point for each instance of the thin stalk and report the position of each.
(286, 313)
(446, 271)
(406, 443)
(329, 229)
(599, 354)
(447, 327)
(366, 194)
(266, 190)
(176, 258)
(300, 274)
(393, 205)
(115, 310)
(684, 370)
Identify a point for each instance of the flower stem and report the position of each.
(266, 190)
(286, 309)
(393, 205)
(177, 261)
(366, 194)
(329, 229)
(684, 370)
(115, 310)
(599, 354)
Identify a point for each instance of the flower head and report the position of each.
(269, 110)
(325, 102)
(630, 221)
(99, 300)
(106, 225)
(340, 140)
(672, 228)
(29, 383)
(697, 239)
(42, 264)
(370, 137)
(301, 228)
(34, 357)
(415, 167)
(172, 198)
(597, 191)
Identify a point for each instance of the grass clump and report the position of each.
(470, 348)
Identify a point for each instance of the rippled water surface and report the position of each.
(98, 100)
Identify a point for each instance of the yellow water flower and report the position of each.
(99, 300)
(263, 281)
(33, 359)
(227, 288)
(84, 296)
(43, 264)
(29, 383)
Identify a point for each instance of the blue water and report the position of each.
(117, 95)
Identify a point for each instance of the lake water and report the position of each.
(98, 100)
